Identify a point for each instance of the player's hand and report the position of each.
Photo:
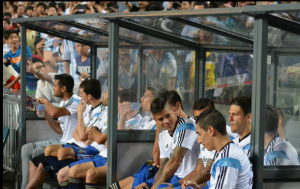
(81, 107)
(41, 100)
(187, 183)
(125, 107)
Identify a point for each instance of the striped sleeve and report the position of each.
(71, 105)
(186, 135)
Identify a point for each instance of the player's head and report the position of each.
(126, 95)
(271, 120)
(173, 99)
(164, 114)
(209, 125)
(201, 105)
(147, 98)
(240, 114)
(90, 89)
(63, 84)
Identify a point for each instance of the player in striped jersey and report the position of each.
(277, 151)
(231, 167)
(129, 116)
(240, 121)
(58, 156)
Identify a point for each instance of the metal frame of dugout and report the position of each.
(258, 45)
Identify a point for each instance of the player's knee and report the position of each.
(91, 176)
(62, 174)
(49, 151)
(74, 171)
(63, 153)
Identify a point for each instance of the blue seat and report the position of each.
(5, 134)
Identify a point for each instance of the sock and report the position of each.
(92, 186)
(75, 183)
(53, 161)
(64, 184)
(115, 186)
(65, 162)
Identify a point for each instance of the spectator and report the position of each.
(61, 8)
(20, 10)
(141, 6)
(29, 11)
(126, 71)
(112, 7)
(6, 24)
(7, 15)
(41, 9)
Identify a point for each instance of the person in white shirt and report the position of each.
(231, 167)
(67, 121)
(177, 144)
(58, 156)
(240, 121)
(277, 150)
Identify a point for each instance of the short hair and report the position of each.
(7, 14)
(202, 103)
(271, 117)
(20, 5)
(92, 87)
(172, 97)
(29, 8)
(6, 20)
(280, 113)
(65, 80)
(15, 8)
(216, 4)
(244, 102)
(153, 91)
(62, 6)
(212, 117)
(7, 33)
(37, 40)
(154, 6)
(42, 4)
(127, 95)
(158, 105)
(201, 3)
(53, 6)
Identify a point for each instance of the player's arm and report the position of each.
(155, 151)
(53, 111)
(195, 173)
(55, 125)
(172, 165)
(96, 135)
(4, 61)
(163, 162)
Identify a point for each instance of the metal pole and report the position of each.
(112, 102)
(93, 62)
(259, 99)
(273, 79)
(200, 80)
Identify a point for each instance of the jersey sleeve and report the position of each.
(71, 105)
(162, 152)
(225, 172)
(66, 52)
(186, 135)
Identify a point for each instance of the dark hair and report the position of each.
(20, 6)
(35, 60)
(53, 6)
(212, 117)
(62, 6)
(65, 80)
(7, 14)
(37, 40)
(154, 6)
(158, 105)
(244, 102)
(7, 33)
(172, 97)
(29, 8)
(92, 87)
(15, 8)
(216, 4)
(153, 91)
(201, 3)
(202, 103)
(6, 20)
(271, 119)
(112, 5)
(127, 95)
(42, 4)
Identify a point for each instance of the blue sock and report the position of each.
(75, 183)
(53, 161)
(65, 162)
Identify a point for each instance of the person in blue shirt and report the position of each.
(13, 58)
(83, 61)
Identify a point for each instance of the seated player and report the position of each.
(231, 167)
(277, 150)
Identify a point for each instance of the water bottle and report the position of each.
(135, 105)
(41, 107)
